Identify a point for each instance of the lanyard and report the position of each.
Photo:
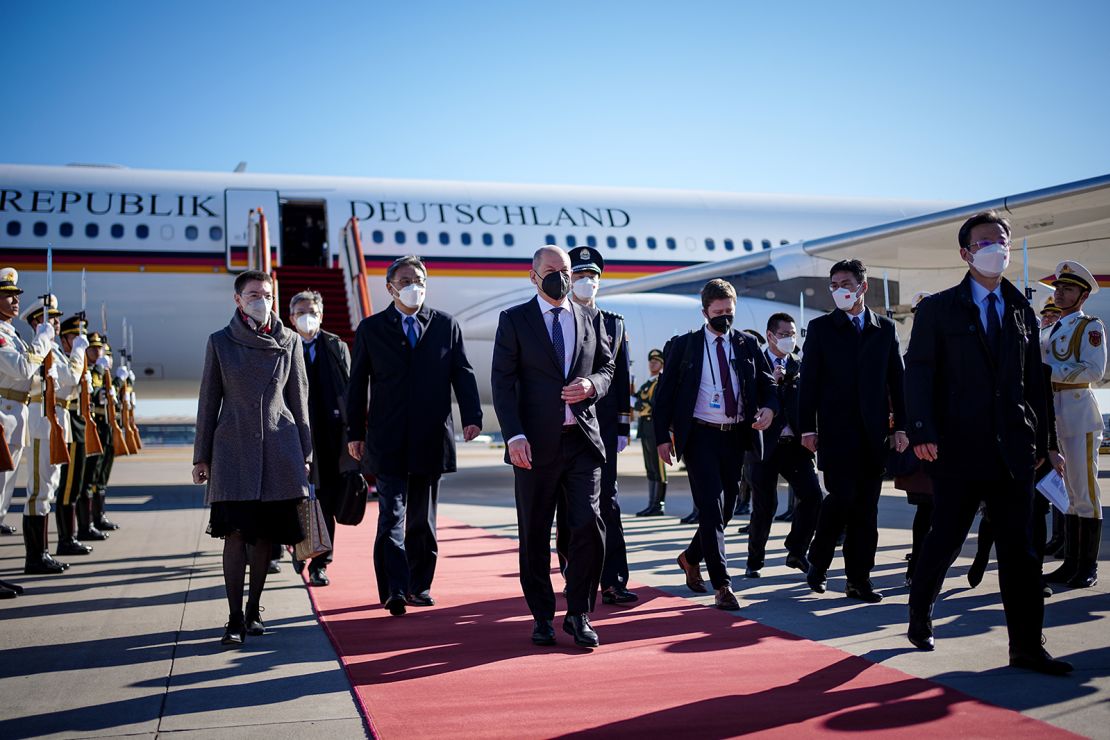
(712, 359)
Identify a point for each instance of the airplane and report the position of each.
(162, 248)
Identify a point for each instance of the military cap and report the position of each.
(655, 354)
(75, 325)
(9, 281)
(95, 339)
(1070, 272)
(586, 258)
(1050, 307)
(34, 311)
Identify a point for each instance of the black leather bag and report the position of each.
(352, 504)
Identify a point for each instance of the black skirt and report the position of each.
(275, 522)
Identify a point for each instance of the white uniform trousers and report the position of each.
(7, 483)
(1081, 460)
(42, 478)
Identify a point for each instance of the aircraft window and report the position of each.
(465, 238)
(399, 237)
(729, 245)
(549, 240)
(651, 243)
(91, 230)
(766, 243)
(377, 236)
(783, 242)
(190, 232)
(571, 241)
(591, 241)
(142, 231)
(487, 239)
(444, 238)
(710, 245)
(671, 244)
(167, 232)
(611, 241)
(39, 228)
(14, 228)
(66, 229)
(215, 233)
(631, 242)
(747, 245)
(422, 237)
(117, 231)
(508, 240)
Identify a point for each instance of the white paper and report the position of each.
(1052, 488)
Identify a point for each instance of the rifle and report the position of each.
(130, 390)
(93, 446)
(6, 462)
(119, 441)
(59, 451)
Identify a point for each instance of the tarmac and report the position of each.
(126, 643)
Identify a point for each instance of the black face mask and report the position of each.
(721, 324)
(556, 285)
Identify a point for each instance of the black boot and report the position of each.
(1068, 569)
(1090, 538)
(67, 542)
(101, 522)
(982, 553)
(85, 528)
(37, 560)
(651, 499)
(691, 518)
(1057, 540)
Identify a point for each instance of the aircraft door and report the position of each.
(237, 206)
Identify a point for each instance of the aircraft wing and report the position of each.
(1070, 221)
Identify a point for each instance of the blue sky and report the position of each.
(942, 100)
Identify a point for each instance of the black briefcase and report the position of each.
(352, 504)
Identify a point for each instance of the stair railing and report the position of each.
(354, 272)
(259, 253)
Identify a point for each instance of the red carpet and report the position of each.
(466, 667)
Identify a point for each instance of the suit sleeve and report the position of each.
(896, 376)
(920, 375)
(666, 390)
(809, 381)
(463, 381)
(208, 406)
(621, 382)
(1037, 393)
(296, 398)
(604, 366)
(766, 393)
(359, 385)
(503, 377)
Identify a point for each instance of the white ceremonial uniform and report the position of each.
(19, 362)
(42, 477)
(1075, 349)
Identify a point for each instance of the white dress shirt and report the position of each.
(711, 384)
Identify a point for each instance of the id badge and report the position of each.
(715, 402)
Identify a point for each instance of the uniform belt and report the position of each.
(23, 397)
(1070, 386)
(714, 425)
(67, 405)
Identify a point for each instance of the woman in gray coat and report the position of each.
(253, 444)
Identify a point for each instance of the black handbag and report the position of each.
(352, 504)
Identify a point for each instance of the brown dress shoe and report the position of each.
(726, 600)
(694, 581)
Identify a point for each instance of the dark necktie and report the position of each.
(557, 339)
(308, 353)
(994, 326)
(410, 331)
(726, 379)
(858, 322)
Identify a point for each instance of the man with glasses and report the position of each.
(409, 358)
(978, 411)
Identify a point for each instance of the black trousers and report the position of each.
(653, 465)
(573, 479)
(614, 570)
(794, 463)
(405, 549)
(713, 461)
(852, 507)
(1010, 508)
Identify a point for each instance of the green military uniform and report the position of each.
(95, 481)
(653, 464)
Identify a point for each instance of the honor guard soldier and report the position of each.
(97, 470)
(1075, 349)
(72, 495)
(614, 414)
(1050, 313)
(656, 470)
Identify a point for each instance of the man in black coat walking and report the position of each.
(551, 364)
(412, 357)
(978, 410)
(851, 384)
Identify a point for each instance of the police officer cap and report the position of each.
(34, 311)
(655, 354)
(1070, 272)
(74, 325)
(1050, 307)
(9, 280)
(586, 258)
(96, 340)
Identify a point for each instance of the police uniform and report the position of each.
(653, 464)
(1075, 350)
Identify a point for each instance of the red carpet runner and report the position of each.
(466, 667)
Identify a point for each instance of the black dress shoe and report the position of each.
(578, 626)
(747, 528)
(235, 631)
(543, 632)
(298, 565)
(274, 567)
(318, 577)
(254, 625)
(12, 587)
(92, 534)
(726, 599)
(73, 547)
(752, 573)
(785, 516)
(797, 562)
(7, 593)
(863, 593)
(691, 518)
(816, 581)
(920, 631)
(423, 599)
(43, 566)
(7, 529)
(694, 581)
(618, 595)
(396, 605)
(106, 525)
(1041, 662)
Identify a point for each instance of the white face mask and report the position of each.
(586, 288)
(412, 295)
(308, 323)
(786, 346)
(991, 261)
(844, 298)
(259, 309)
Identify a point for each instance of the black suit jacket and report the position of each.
(615, 408)
(327, 399)
(528, 382)
(408, 427)
(677, 392)
(850, 383)
(966, 401)
(787, 392)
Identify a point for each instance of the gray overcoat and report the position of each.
(252, 418)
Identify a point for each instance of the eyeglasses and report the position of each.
(406, 282)
(976, 246)
(785, 335)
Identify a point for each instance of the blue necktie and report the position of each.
(410, 332)
(858, 321)
(557, 339)
(994, 326)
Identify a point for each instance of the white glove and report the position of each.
(45, 329)
(622, 442)
(52, 373)
(121, 373)
(80, 344)
(102, 363)
(130, 375)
